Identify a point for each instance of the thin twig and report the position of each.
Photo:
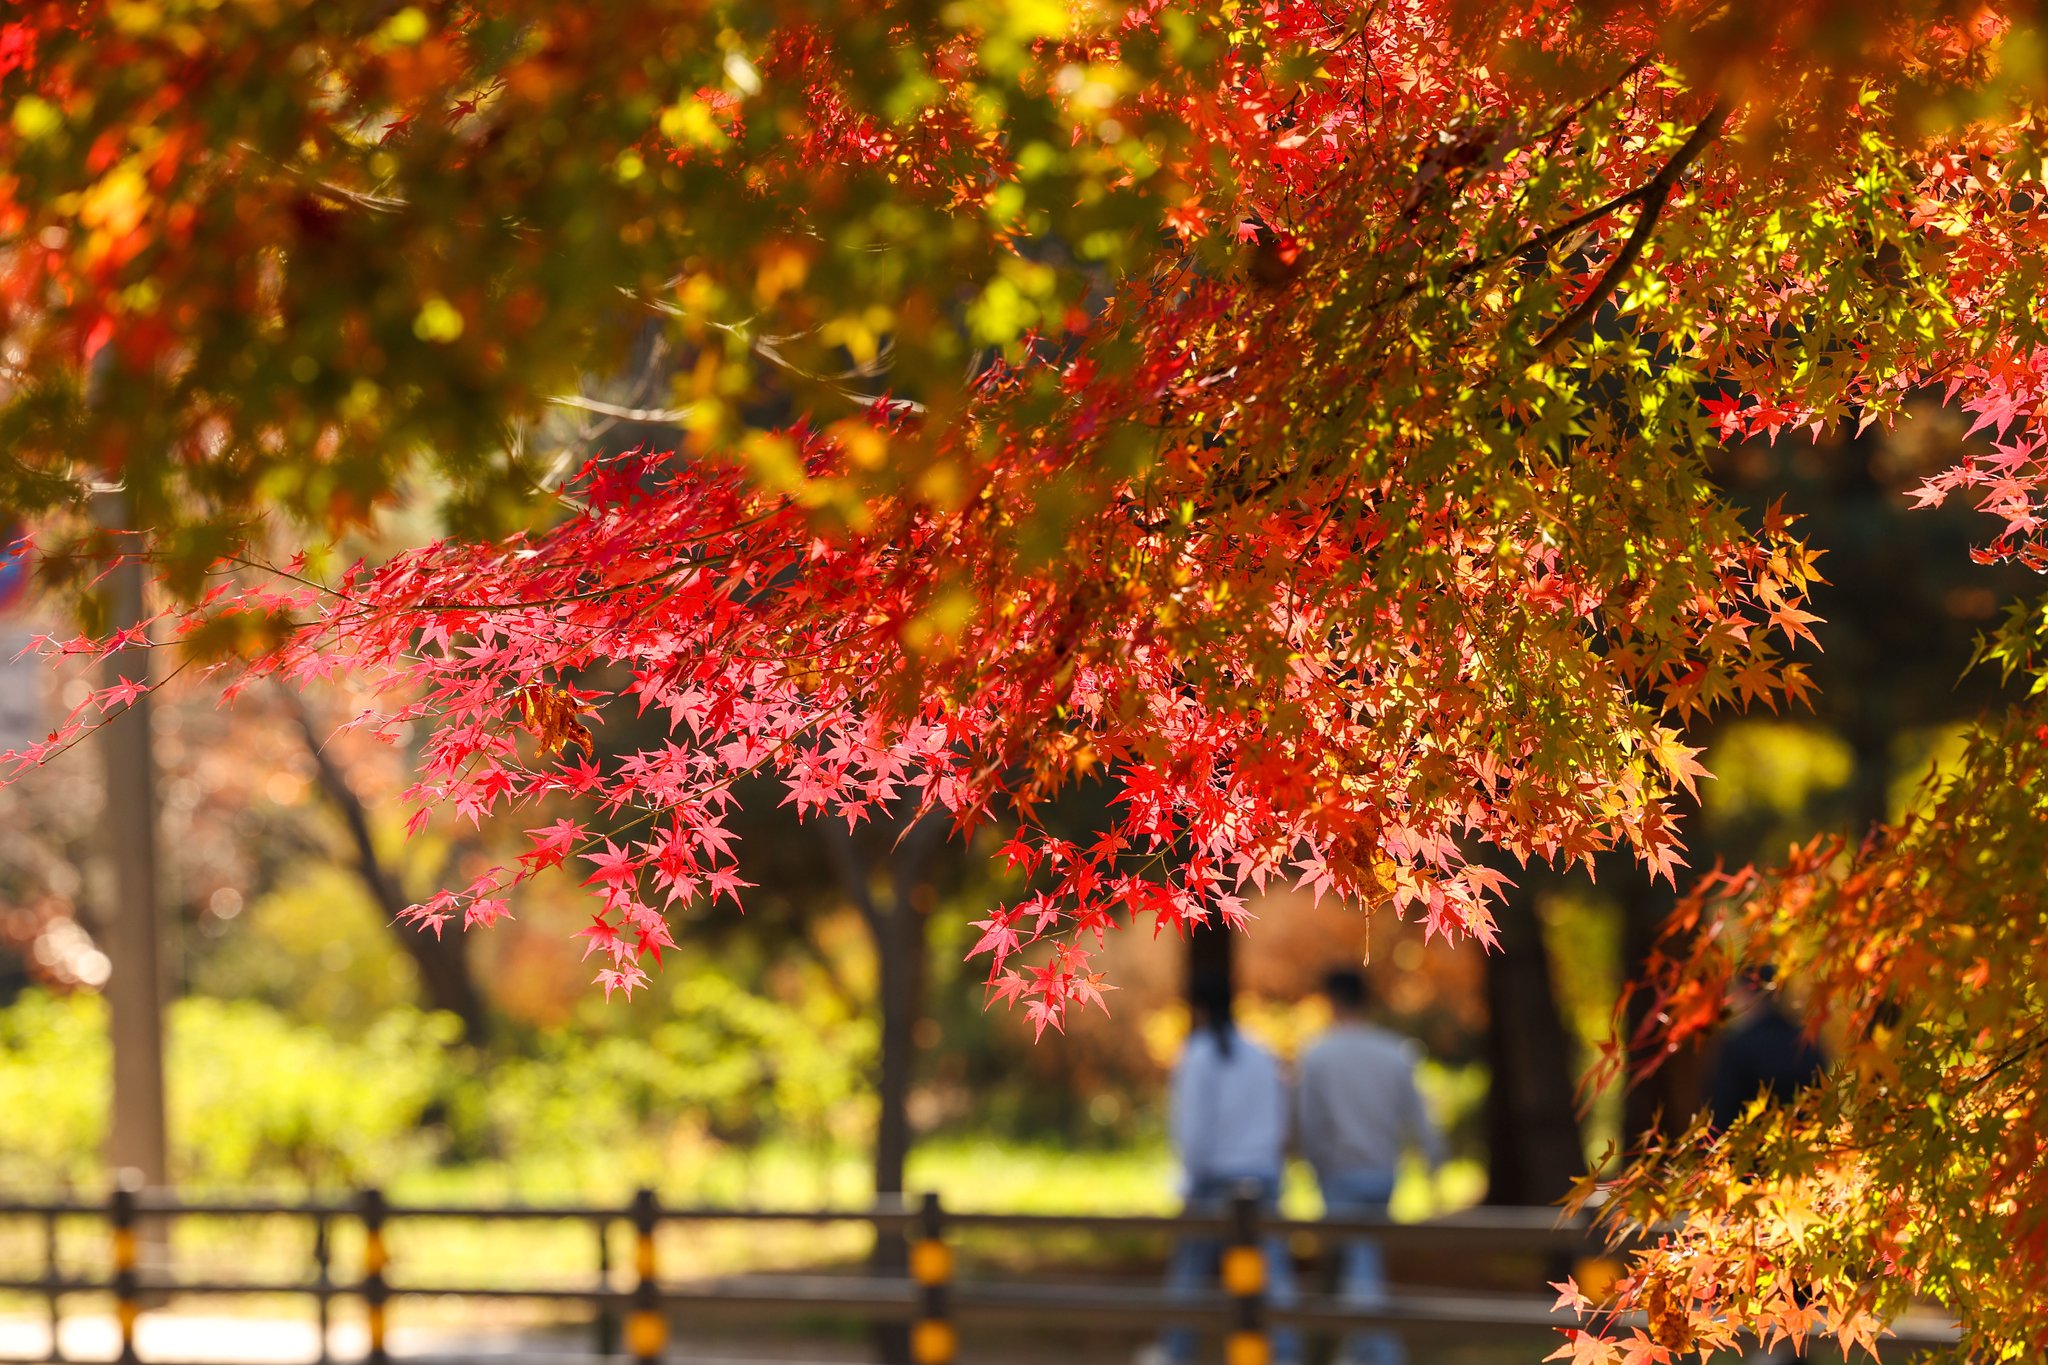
(1577, 111)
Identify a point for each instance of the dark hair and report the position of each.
(1345, 988)
(1210, 995)
(1758, 976)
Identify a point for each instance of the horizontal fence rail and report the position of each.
(632, 1313)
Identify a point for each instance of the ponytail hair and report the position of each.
(1210, 997)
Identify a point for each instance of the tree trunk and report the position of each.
(1664, 1101)
(898, 929)
(442, 960)
(1534, 1149)
(138, 1138)
(1870, 778)
(901, 945)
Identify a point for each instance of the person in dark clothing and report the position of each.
(1765, 1051)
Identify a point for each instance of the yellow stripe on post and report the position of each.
(932, 1342)
(376, 1314)
(646, 1333)
(643, 1256)
(931, 1261)
(375, 1257)
(126, 1312)
(124, 1248)
(1246, 1348)
(1244, 1271)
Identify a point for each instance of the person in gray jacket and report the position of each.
(1357, 1110)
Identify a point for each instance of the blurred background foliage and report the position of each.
(300, 1057)
(315, 1045)
(303, 1053)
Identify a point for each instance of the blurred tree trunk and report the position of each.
(442, 959)
(1664, 1101)
(897, 924)
(140, 985)
(1871, 777)
(1534, 1150)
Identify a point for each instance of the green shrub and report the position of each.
(255, 1099)
(259, 1099)
(724, 1067)
(54, 1065)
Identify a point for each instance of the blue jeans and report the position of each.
(1195, 1258)
(1362, 1279)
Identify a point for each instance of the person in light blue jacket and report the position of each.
(1229, 1126)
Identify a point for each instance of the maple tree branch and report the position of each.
(915, 847)
(652, 416)
(86, 729)
(1544, 239)
(844, 854)
(585, 595)
(1538, 242)
(1577, 111)
(1651, 194)
(1550, 236)
(442, 965)
(1654, 196)
(341, 794)
(2029, 1043)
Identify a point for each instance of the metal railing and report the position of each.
(634, 1312)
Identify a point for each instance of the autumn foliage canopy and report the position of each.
(1288, 419)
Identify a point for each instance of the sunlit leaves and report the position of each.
(1918, 1168)
(1286, 423)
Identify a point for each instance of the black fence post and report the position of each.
(53, 1275)
(323, 1282)
(127, 1289)
(647, 1327)
(1244, 1279)
(607, 1309)
(932, 1338)
(376, 1289)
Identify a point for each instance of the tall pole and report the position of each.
(135, 985)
